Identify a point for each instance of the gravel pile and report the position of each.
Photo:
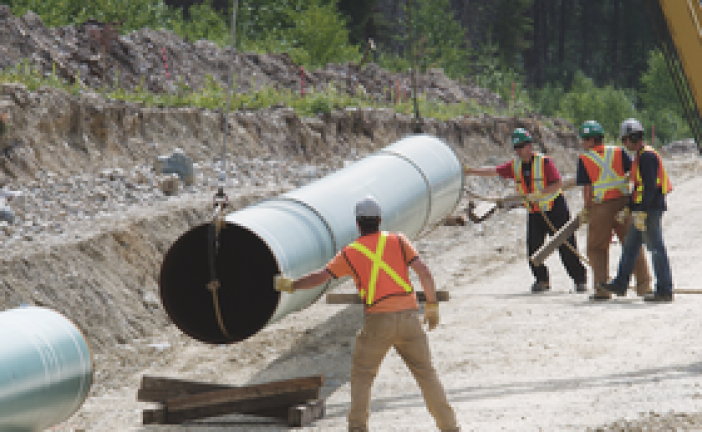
(54, 204)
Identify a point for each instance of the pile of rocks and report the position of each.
(54, 204)
(95, 55)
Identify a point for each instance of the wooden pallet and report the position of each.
(296, 401)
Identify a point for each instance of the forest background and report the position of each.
(574, 59)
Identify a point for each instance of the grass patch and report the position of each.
(212, 96)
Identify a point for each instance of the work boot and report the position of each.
(540, 287)
(642, 290)
(610, 287)
(580, 287)
(658, 298)
(600, 297)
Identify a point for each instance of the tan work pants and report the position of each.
(599, 234)
(402, 330)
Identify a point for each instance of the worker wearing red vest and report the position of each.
(537, 180)
(379, 263)
(602, 171)
(647, 202)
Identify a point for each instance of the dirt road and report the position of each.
(509, 360)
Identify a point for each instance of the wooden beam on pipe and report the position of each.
(555, 241)
(353, 298)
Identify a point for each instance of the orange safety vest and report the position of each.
(379, 265)
(606, 170)
(537, 183)
(662, 180)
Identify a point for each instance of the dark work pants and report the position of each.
(537, 229)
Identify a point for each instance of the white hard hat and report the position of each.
(368, 207)
(630, 126)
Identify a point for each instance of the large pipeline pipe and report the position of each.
(45, 369)
(417, 180)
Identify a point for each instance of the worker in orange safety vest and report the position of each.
(379, 263)
(539, 183)
(602, 171)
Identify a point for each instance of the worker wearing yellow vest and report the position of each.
(602, 171)
(647, 203)
(537, 180)
(379, 263)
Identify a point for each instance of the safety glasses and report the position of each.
(519, 146)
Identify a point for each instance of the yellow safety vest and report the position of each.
(609, 179)
(370, 270)
(538, 183)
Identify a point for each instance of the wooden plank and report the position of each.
(304, 414)
(353, 298)
(158, 389)
(686, 291)
(555, 241)
(242, 393)
(276, 406)
(154, 416)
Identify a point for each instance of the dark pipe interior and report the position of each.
(245, 268)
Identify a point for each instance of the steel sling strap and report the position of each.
(608, 179)
(378, 263)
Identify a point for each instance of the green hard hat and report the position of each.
(591, 129)
(521, 136)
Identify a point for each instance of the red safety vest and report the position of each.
(537, 183)
(379, 265)
(605, 168)
(662, 180)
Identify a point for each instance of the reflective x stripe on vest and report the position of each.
(538, 182)
(378, 264)
(608, 179)
(662, 179)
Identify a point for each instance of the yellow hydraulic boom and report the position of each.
(678, 27)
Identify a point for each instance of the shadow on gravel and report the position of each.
(326, 349)
(555, 386)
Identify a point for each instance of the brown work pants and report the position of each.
(403, 331)
(603, 219)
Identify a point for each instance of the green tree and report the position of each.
(439, 38)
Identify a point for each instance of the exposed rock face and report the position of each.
(97, 56)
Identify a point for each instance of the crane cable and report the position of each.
(220, 198)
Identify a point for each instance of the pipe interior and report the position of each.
(245, 267)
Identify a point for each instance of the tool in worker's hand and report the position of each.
(431, 315)
(283, 283)
(534, 197)
(584, 216)
(640, 220)
(623, 215)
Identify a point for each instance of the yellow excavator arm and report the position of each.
(678, 28)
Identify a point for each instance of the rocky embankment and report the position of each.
(91, 222)
(91, 219)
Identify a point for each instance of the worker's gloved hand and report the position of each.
(283, 283)
(466, 169)
(431, 315)
(623, 215)
(640, 220)
(584, 216)
(534, 196)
